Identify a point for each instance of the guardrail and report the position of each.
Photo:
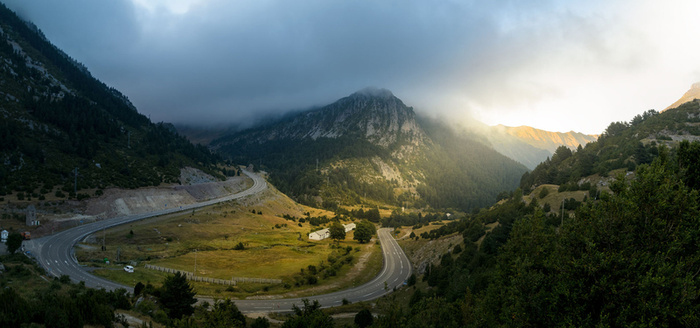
(234, 280)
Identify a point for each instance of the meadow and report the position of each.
(250, 238)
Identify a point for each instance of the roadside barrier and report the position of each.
(234, 280)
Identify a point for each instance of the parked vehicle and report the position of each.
(129, 269)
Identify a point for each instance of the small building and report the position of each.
(325, 233)
(349, 227)
(320, 234)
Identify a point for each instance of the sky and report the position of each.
(554, 65)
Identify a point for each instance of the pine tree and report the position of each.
(177, 296)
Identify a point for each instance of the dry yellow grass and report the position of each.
(554, 198)
(274, 247)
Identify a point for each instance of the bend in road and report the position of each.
(55, 253)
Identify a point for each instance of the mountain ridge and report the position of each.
(58, 120)
(370, 142)
(531, 146)
(547, 140)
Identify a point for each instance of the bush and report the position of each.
(311, 280)
(260, 322)
(411, 280)
(364, 318)
(138, 288)
(543, 193)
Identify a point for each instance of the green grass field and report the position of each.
(275, 248)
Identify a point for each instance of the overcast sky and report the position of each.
(555, 65)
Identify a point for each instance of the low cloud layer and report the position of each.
(557, 65)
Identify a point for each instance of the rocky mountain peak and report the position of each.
(372, 114)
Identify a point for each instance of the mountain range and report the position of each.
(532, 146)
(371, 146)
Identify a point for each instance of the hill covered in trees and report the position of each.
(371, 147)
(57, 117)
(623, 145)
(629, 258)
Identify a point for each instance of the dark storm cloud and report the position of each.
(206, 61)
(231, 61)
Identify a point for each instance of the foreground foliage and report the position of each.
(56, 304)
(630, 259)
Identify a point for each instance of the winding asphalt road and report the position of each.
(56, 254)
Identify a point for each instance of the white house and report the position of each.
(349, 227)
(320, 235)
(325, 233)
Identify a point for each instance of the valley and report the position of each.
(359, 210)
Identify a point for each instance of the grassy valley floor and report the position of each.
(272, 247)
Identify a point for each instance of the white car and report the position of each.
(129, 269)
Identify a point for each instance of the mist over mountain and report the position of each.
(532, 146)
(371, 146)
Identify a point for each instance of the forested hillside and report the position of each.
(56, 117)
(623, 145)
(628, 259)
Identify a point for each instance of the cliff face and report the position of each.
(372, 114)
